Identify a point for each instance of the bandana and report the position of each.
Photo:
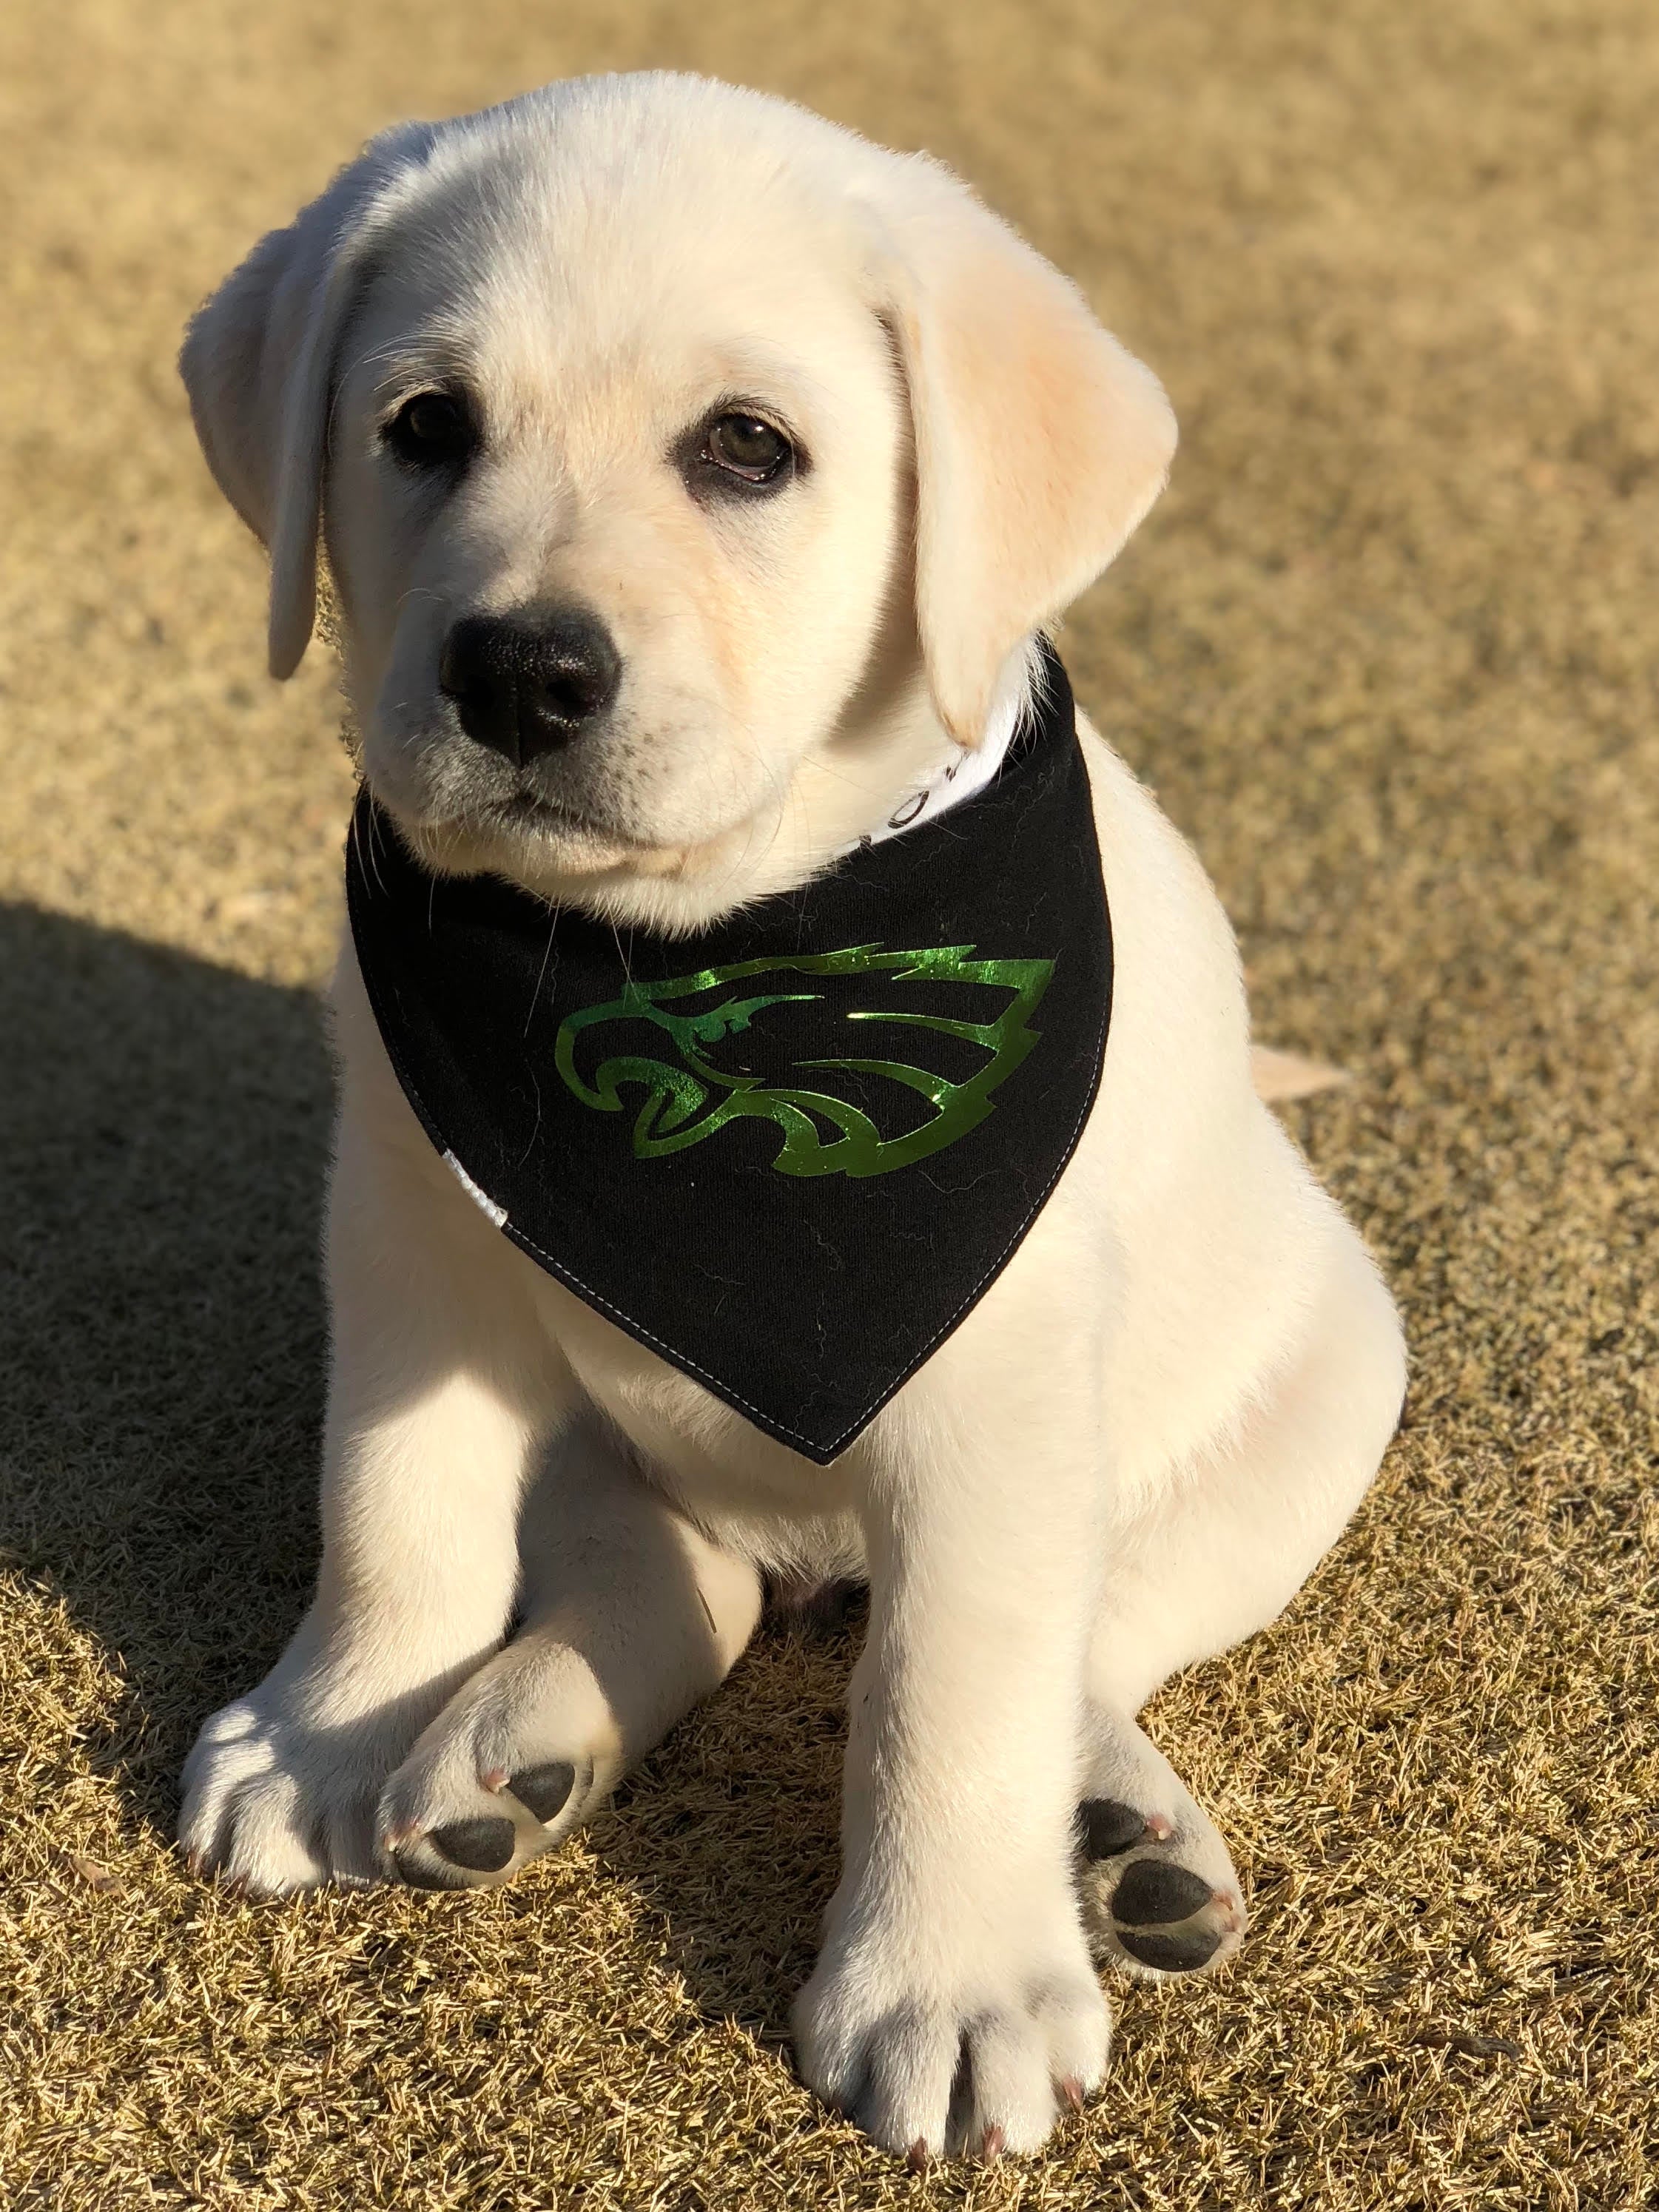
(789, 1153)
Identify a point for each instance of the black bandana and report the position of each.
(790, 1153)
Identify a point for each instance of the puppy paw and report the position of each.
(516, 1761)
(938, 2055)
(467, 1824)
(274, 1801)
(1159, 1890)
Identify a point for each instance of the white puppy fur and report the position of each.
(1136, 1448)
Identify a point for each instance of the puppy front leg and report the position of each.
(954, 1993)
(442, 1389)
(629, 1614)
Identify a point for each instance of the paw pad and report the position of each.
(544, 1790)
(1168, 1917)
(521, 1813)
(1109, 1826)
(1155, 1890)
(483, 1846)
(1160, 1912)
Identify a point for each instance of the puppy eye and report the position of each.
(432, 430)
(743, 447)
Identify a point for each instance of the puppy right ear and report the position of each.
(259, 363)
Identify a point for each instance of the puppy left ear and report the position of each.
(1040, 441)
(258, 362)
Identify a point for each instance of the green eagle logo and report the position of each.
(713, 1052)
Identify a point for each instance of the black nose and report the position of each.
(525, 684)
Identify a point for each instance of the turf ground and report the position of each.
(1388, 652)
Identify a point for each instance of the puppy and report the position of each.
(695, 482)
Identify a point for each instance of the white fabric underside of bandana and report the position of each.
(955, 779)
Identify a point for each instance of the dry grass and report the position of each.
(1389, 653)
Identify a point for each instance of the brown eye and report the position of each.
(743, 447)
(433, 430)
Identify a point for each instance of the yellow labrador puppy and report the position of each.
(697, 481)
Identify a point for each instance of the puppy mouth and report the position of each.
(477, 818)
(523, 810)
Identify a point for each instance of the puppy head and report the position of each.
(692, 475)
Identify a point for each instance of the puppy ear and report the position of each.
(1040, 441)
(259, 364)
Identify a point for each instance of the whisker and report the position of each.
(552, 931)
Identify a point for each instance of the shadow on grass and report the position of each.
(163, 1136)
(729, 1834)
(163, 1126)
